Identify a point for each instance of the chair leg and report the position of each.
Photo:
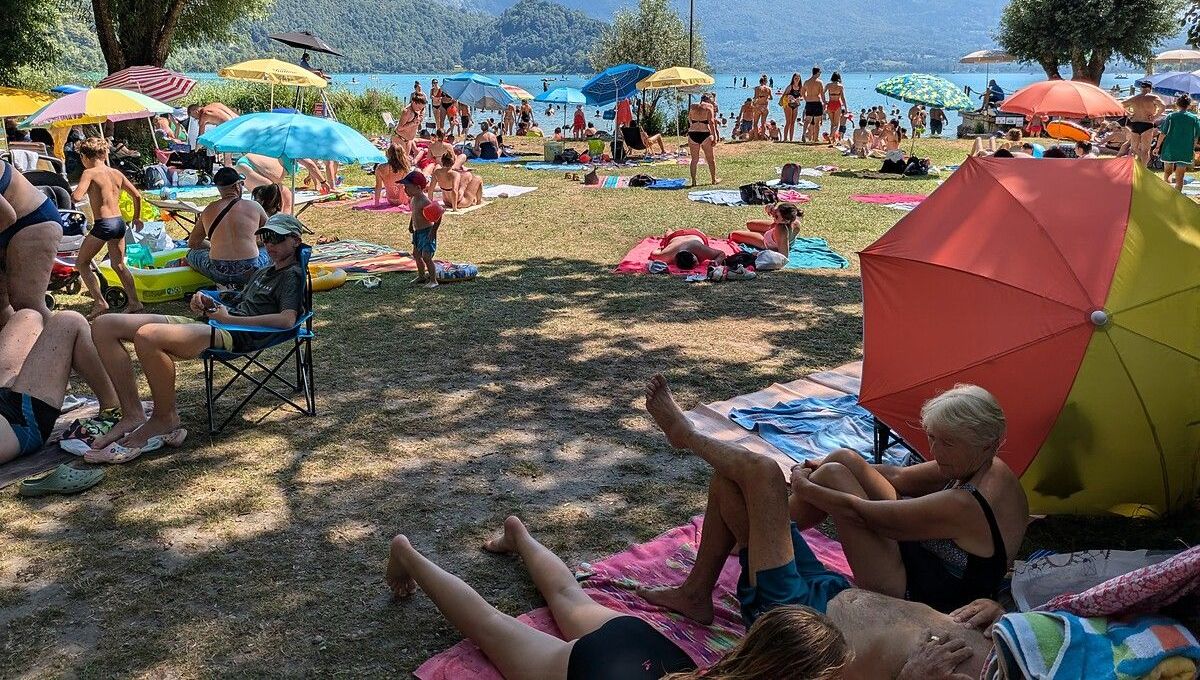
(208, 391)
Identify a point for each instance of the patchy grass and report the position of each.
(261, 551)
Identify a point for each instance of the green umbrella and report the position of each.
(921, 88)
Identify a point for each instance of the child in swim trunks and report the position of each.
(102, 186)
(424, 232)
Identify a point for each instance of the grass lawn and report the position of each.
(261, 551)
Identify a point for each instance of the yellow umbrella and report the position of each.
(676, 76)
(16, 103)
(272, 71)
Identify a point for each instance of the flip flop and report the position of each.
(65, 479)
(116, 453)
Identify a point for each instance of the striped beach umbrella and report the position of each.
(96, 104)
(518, 92)
(162, 84)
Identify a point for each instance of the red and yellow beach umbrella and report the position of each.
(1070, 289)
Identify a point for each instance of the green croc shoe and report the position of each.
(65, 479)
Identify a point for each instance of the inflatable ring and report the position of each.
(326, 278)
(1063, 129)
(447, 272)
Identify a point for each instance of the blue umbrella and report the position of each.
(614, 84)
(477, 91)
(291, 136)
(68, 89)
(562, 95)
(1174, 83)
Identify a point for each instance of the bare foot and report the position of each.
(695, 606)
(716, 181)
(99, 307)
(398, 581)
(153, 427)
(135, 310)
(123, 427)
(506, 542)
(660, 402)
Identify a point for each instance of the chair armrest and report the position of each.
(260, 329)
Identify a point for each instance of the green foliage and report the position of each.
(135, 32)
(28, 39)
(535, 36)
(1086, 33)
(360, 111)
(652, 35)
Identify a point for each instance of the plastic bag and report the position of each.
(153, 235)
(769, 260)
(149, 212)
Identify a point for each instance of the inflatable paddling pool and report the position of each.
(160, 283)
(1064, 129)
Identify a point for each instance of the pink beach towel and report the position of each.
(368, 204)
(664, 561)
(1141, 591)
(635, 260)
(885, 199)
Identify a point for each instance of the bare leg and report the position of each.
(29, 258)
(1179, 172)
(694, 151)
(116, 259)
(710, 158)
(157, 346)
(874, 484)
(748, 237)
(16, 340)
(518, 651)
(47, 367)
(83, 264)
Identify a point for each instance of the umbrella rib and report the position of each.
(1157, 299)
(1046, 233)
(1157, 342)
(1006, 284)
(1162, 459)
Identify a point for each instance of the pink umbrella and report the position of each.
(162, 84)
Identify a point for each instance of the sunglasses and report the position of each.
(273, 238)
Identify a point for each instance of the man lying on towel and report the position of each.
(686, 248)
(748, 507)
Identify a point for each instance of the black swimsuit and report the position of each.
(946, 577)
(699, 137)
(46, 212)
(626, 648)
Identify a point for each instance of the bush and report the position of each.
(360, 111)
(655, 123)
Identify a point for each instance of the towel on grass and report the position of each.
(663, 562)
(807, 429)
(637, 259)
(1045, 645)
(885, 199)
(808, 253)
(502, 159)
(496, 190)
(672, 183)
(610, 182)
(369, 205)
(802, 184)
(733, 197)
(561, 167)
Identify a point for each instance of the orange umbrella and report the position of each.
(1068, 98)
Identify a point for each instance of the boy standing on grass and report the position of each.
(424, 231)
(102, 186)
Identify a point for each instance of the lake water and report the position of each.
(860, 88)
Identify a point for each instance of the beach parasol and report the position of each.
(273, 72)
(614, 84)
(304, 40)
(1071, 291)
(291, 136)
(162, 84)
(517, 92)
(922, 88)
(1173, 83)
(16, 103)
(1178, 56)
(1066, 98)
(562, 95)
(674, 78)
(95, 105)
(477, 91)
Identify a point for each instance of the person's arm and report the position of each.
(914, 480)
(198, 237)
(81, 191)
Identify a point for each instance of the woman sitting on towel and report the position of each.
(686, 248)
(942, 533)
(460, 188)
(776, 233)
(599, 643)
(389, 174)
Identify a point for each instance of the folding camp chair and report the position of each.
(885, 438)
(388, 119)
(632, 136)
(298, 336)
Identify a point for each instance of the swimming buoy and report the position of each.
(1065, 129)
(326, 278)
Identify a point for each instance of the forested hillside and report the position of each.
(534, 36)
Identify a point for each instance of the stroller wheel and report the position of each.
(49, 301)
(116, 298)
(73, 287)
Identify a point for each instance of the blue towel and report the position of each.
(562, 167)
(502, 159)
(811, 428)
(717, 196)
(677, 183)
(809, 253)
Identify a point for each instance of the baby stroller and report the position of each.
(63, 276)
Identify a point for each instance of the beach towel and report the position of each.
(807, 429)
(362, 257)
(637, 259)
(809, 253)
(673, 183)
(886, 199)
(1141, 591)
(802, 184)
(502, 159)
(560, 167)
(871, 174)
(662, 562)
(610, 182)
(368, 204)
(491, 191)
(1046, 645)
(733, 197)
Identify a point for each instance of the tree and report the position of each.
(1086, 33)
(29, 29)
(142, 32)
(1192, 21)
(652, 35)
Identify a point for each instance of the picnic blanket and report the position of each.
(1045, 645)
(808, 253)
(809, 428)
(491, 191)
(802, 184)
(662, 562)
(621, 182)
(637, 259)
(561, 167)
(362, 257)
(733, 197)
(502, 159)
(369, 205)
(884, 199)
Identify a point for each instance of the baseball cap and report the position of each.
(284, 224)
(227, 177)
(417, 178)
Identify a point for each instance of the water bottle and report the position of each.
(174, 194)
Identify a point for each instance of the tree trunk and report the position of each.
(106, 34)
(166, 33)
(1088, 68)
(1049, 64)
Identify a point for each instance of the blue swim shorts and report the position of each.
(804, 581)
(424, 242)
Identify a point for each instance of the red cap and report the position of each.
(416, 177)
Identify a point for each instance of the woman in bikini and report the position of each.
(762, 102)
(435, 96)
(388, 176)
(30, 229)
(776, 233)
(410, 121)
(702, 136)
(439, 146)
(460, 188)
(835, 106)
(793, 96)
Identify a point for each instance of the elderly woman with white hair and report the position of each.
(942, 532)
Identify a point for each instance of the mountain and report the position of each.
(534, 36)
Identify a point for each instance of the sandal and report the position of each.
(117, 454)
(65, 479)
(83, 432)
(370, 281)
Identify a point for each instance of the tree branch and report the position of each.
(166, 33)
(106, 34)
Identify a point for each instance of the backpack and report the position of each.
(917, 167)
(758, 193)
(155, 177)
(567, 157)
(789, 174)
(641, 181)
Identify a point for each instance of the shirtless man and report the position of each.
(1144, 109)
(223, 245)
(745, 121)
(686, 241)
(102, 186)
(748, 507)
(201, 118)
(814, 106)
(762, 102)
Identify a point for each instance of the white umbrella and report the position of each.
(987, 58)
(1178, 56)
